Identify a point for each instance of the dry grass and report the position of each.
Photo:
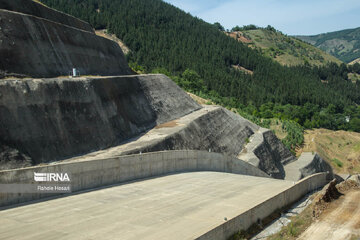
(112, 37)
(201, 100)
(167, 125)
(340, 148)
(242, 69)
(354, 77)
(355, 61)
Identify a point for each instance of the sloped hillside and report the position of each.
(201, 59)
(284, 49)
(344, 45)
(341, 149)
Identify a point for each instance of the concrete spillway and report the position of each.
(204, 205)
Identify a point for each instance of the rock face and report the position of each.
(307, 164)
(33, 8)
(57, 118)
(13, 158)
(266, 152)
(219, 130)
(38, 47)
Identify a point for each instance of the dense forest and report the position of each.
(199, 57)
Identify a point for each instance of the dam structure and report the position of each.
(144, 160)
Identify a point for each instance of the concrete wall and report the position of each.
(32, 8)
(97, 173)
(37, 47)
(52, 119)
(261, 211)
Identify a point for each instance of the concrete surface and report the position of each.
(265, 208)
(181, 206)
(38, 47)
(307, 164)
(104, 172)
(33, 8)
(52, 119)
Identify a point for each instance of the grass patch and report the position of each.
(357, 147)
(337, 162)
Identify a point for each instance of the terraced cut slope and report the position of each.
(37, 47)
(52, 119)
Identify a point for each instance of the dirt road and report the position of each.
(340, 221)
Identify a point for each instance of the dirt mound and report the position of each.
(347, 185)
(322, 200)
(331, 192)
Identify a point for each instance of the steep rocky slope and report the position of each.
(38, 47)
(50, 119)
(32, 8)
(266, 152)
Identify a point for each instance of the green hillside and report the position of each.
(344, 45)
(284, 49)
(201, 59)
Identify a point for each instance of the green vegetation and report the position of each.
(285, 49)
(199, 58)
(243, 28)
(295, 135)
(337, 162)
(344, 45)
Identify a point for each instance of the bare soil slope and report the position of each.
(340, 221)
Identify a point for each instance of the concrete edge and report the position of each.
(263, 210)
(97, 173)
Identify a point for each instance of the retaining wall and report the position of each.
(263, 210)
(97, 173)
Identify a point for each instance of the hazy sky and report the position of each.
(293, 17)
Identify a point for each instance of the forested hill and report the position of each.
(345, 44)
(200, 58)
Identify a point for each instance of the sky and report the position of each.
(292, 17)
